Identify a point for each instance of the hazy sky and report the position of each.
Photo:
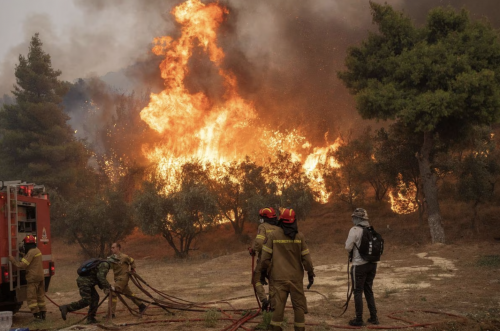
(285, 53)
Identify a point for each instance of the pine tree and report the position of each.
(36, 143)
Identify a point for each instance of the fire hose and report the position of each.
(169, 302)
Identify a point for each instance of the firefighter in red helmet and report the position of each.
(288, 250)
(268, 223)
(32, 262)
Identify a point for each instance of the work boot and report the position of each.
(142, 308)
(42, 315)
(265, 304)
(356, 322)
(91, 320)
(373, 320)
(64, 311)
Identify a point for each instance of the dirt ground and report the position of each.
(453, 279)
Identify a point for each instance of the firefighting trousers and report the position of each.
(89, 295)
(362, 282)
(36, 296)
(259, 288)
(122, 287)
(279, 295)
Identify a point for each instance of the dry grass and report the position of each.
(220, 268)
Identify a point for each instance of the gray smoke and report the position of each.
(285, 53)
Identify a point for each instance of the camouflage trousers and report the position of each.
(36, 296)
(89, 295)
(279, 295)
(121, 285)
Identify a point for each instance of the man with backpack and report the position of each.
(91, 273)
(365, 247)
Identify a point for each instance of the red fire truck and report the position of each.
(24, 210)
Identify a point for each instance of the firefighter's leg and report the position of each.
(40, 296)
(280, 295)
(126, 290)
(114, 298)
(299, 304)
(31, 298)
(259, 288)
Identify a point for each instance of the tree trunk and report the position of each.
(430, 189)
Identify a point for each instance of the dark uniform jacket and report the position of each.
(32, 262)
(289, 256)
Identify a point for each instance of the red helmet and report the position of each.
(29, 239)
(288, 215)
(267, 212)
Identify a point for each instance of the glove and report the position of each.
(251, 251)
(311, 276)
(112, 288)
(263, 275)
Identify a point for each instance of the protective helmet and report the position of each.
(288, 215)
(267, 212)
(29, 239)
(360, 213)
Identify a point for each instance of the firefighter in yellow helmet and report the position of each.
(32, 262)
(122, 264)
(290, 256)
(268, 223)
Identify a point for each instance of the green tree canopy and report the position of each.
(36, 142)
(439, 80)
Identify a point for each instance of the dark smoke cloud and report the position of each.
(286, 53)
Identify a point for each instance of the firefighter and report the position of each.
(32, 262)
(268, 223)
(288, 250)
(90, 297)
(121, 265)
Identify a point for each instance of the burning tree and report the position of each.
(240, 188)
(181, 215)
(442, 77)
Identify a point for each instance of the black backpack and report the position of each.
(89, 265)
(372, 245)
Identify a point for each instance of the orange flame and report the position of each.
(404, 202)
(192, 126)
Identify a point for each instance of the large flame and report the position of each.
(192, 126)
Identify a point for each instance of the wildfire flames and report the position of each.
(193, 126)
(404, 201)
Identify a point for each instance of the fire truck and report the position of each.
(24, 210)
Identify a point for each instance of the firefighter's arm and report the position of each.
(25, 261)
(306, 257)
(259, 239)
(267, 255)
(132, 264)
(102, 272)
